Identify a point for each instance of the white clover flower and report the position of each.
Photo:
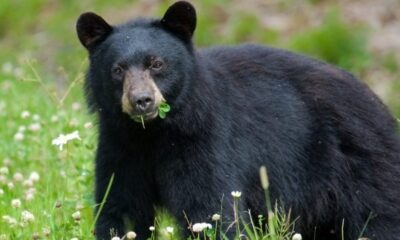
(34, 127)
(18, 177)
(7, 162)
(3, 237)
(216, 217)
(79, 206)
(199, 227)
(62, 139)
(169, 230)
(4, 170)
(3, 179)
(25, 114)
(88, 125)
(34, 176)
(76, 106)
(236, 194)
(19, 136)
(36, 117)
(115, 238)
(152, 228)
(10, 220)
(54, 118)
(35, 236)
(131, 235)
(46, 231)
(16, 203)
(28, 183)
(27, 216)
(77, 216)
(1, 192)
(10, 185)
(21, 128)
(74, 238)
(29, 196)
(297, 236)
(74, 122)
(31, 190)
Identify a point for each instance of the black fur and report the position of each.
(329, 144)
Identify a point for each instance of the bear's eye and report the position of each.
(157, 65)
(117, 71)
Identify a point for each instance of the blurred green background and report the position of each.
(360, 36)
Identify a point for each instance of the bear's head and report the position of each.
(139, 65)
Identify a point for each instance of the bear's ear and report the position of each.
(180, 19)
(92, 29)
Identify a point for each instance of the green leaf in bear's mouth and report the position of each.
(163, 109)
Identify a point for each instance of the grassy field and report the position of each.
(45, 192)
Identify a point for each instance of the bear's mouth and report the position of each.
(144, 117)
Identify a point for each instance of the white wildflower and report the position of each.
(25, 114)
(74, 122)
(46, 231)
(3, 237)
(63, 139)
(21, 128)
(152, 228)
(216, 217)
(115, 238)
(199, 227)
(16, 203)
(28, 183)
(34, 176)
(54, 118)
(7, 162)
(297, 236)
(3, 179)
(34, 127)
(236, 194)
(4, 170)
(36, 117)
(19, 136)
(10, 220)
(26, 216)
(79, 206)
(77, 216)
(29, 196)
(169, 230)
(131, 235)
(74, 238)
(1, 191)
(10, 185)
(18, 177)
(31, 190)
(35, 236)
(88, 125)
(76, 106)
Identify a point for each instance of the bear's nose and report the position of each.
(142, 101)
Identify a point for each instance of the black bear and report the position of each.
(330, 145)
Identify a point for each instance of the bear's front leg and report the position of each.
(193, 195)
(129, 203)
(128, 207)
(108, 225)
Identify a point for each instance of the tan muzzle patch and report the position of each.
(136, 81)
